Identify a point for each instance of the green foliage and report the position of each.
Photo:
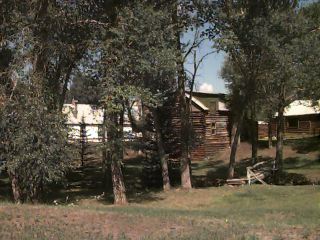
(276, 47)
(138, 57)
(310, 53)
(34, 145)
(140, 51)
(85, 89)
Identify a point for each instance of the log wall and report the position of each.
(205, 142)
(307, 125)
(216, 139)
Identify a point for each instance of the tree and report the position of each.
(35, 147)
(140, 63)
(85, 89)
(181, 18)
(236, 100)
(40, 43)
(311, 52)
(238, 28)
(289, 55)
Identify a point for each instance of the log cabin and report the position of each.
(209, 118)
(302, 119)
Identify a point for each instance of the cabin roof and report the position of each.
(197, 102)
(209, 101)
(302, 107)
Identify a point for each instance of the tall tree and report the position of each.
(236, 27)
(182, 20)
(139, 60)
(287, 44)
(311, 52)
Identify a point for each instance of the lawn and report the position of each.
(256, 212)
(82, 207)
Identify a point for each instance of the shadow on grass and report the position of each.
(300, 163)
(87, 182)
(305, 145)
(217, 171)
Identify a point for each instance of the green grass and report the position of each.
(214, 213)
(206, 212)
(306, 161)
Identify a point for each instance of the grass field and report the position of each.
(82, 207)
(256, 212)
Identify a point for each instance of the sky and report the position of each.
(208, 78)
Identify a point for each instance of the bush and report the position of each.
(34, 146)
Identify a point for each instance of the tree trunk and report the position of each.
(161, 152)
(65, 87)
(16, 192)
(280, 133)
(105, 166)
(83, 143)
(270, 133)
(254, 135)
(233, 133)
(234, 145)
(116, 140)
(119, 190)
(184, 134)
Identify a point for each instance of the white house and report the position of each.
(85, 120)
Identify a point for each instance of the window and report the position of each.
(293, 122)
(213, 128)
(221, 125)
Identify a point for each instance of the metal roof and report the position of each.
(302, 107)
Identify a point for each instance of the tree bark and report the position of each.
(254, 137)
(270, 133)
(119, 189)
(234, 144)
(184, 133)
(161, 152)
(16, 192)
(65, 87)
(106, 181)
(280, 133)
(116, 138)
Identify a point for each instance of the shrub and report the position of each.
(35, 150)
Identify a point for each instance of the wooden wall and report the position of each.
(308, 125)
(204, 142)
(263, 130)
(219, 140)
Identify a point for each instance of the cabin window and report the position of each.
(293, 122)
(222, 125)
(213, 128)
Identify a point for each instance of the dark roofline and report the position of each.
(213, 95)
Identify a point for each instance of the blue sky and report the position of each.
(208, 77)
